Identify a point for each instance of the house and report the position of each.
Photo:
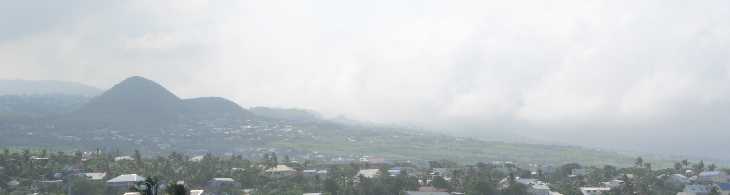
(613, 183)
(676, 180)
(196, 158)
(534, 186)
(426, 193)
(281, 171)
(695, 190)
(368, 173)
(712, 177)
(594, 190)
(196, 192)
(216, 185)
(94, 176)
(121, 158)
(124, 181)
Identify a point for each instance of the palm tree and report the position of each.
(147, 187)
(177, 189)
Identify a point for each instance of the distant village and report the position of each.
(96, 172)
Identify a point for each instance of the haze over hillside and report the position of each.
(140, 113)
(649, 76)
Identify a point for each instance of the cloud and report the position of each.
(599, 73)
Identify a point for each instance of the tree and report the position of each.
(712, 167)
(678, 166)
(685, 162)
(138, 160)
(479, 187)
(330, 186)
(82, 186)
(440, 182)
(714, 191)
(700, 166)
(177, 189)
(639, 162)
(147, 187)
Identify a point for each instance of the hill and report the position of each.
(136, 101)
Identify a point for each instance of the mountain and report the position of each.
(140, 102)
(28, 87)
(136, 101)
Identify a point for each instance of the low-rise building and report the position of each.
(594, 190)
(281, 171)
(712, 177)
(124, 181)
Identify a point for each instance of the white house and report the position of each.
(594, 190)
(124, 181)
(281, 171)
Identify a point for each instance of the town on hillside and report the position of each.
(115, 173)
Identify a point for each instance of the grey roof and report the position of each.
(126, 178)
(95, 176)
(223, 179)
(426, 193)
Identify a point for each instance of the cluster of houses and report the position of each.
(696, 184)
(700, 184)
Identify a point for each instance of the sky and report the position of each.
(648, 75)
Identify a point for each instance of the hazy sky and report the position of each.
(649, 75)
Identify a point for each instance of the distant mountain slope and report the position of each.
(214, 107)
(40, 105)
(29, 87)
(290, 114)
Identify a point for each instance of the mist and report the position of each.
(648, 76)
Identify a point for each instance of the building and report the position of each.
(120, 158)
(368, 173)
(94, 176)
(613, 183)
(426, 193)
(594, 190)
(712, 177)
(124, 181)
(676, 180)
(281, 171)
(695, 190)
(217, 186)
